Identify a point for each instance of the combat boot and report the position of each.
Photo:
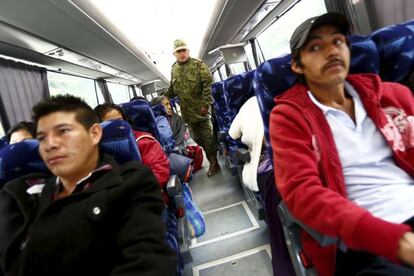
(214, 165)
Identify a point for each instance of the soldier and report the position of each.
(191, 81)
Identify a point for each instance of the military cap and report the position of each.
(300, 35)
(179, 44)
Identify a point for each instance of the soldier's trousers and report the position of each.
(202, 133)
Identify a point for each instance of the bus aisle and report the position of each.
(235, 241)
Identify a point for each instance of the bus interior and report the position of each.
(113, 51)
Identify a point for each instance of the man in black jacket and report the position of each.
(93, 217)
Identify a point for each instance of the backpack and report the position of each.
(195, 153)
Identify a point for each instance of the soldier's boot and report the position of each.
(214, 165)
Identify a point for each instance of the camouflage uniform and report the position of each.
(191, 82)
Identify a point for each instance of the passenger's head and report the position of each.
(69, 133)
(139, 98)
(320, 50)
(21, 131)
(165, 102)
(181, 51)
(109, 111)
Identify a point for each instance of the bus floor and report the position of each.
(235, 241)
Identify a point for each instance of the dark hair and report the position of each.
(30, 127)
(157, 100)
(296, 58)
(139, 98)
(66, 103)
(102, 109)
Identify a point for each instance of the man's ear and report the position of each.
(296, 67)
(96, 133)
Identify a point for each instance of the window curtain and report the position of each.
(346, 8)
(21, 87)
(104, 90)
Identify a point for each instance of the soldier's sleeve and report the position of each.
(206, 82)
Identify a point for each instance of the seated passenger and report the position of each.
(151, 151)
(21, 131)
(248, 125)
(93, 217)
(344, 156)
(176, 121)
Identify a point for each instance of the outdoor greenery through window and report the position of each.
(77, 86)
(274, 41)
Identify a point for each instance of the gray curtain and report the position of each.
(21, 87)
(346, 8)
(104, 89)
(385, 12)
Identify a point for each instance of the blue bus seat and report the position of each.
(237, 90)
(3, 142)
(20, 159)
(388, 52)
(396, 51)
(140, 112)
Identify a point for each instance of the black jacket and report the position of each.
(112, 228)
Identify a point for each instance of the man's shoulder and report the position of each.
(30, 183)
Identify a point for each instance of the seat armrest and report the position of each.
(174, 186)
(221, 136)
(290, 221)
(242, 155)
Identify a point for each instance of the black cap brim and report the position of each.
(300, 35)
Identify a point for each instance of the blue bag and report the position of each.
(195, 217)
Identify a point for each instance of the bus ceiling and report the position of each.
(58, 34)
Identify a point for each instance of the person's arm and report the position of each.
(170, 92)
(309, 200)
(141, 238)
(154, 157)
(206, 82)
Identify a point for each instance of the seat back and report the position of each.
(396, 50)
(20, 159)
(140, 112)
(237, 90)
(220, 107)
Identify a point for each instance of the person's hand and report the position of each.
(406, 248)
(203, 111)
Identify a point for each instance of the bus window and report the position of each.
(237, 68)
(77, 86)
(249, 54)
(274, 41)
(223, 72)
(119, 93)
(1, 130)
(216, 76)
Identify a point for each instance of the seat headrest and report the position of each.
(119, 141)
(238, 89)
(23, 158)
(20, 159)
(142, 116)
(396, 50)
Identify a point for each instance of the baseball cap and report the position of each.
(300, 35)
(179, 44)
